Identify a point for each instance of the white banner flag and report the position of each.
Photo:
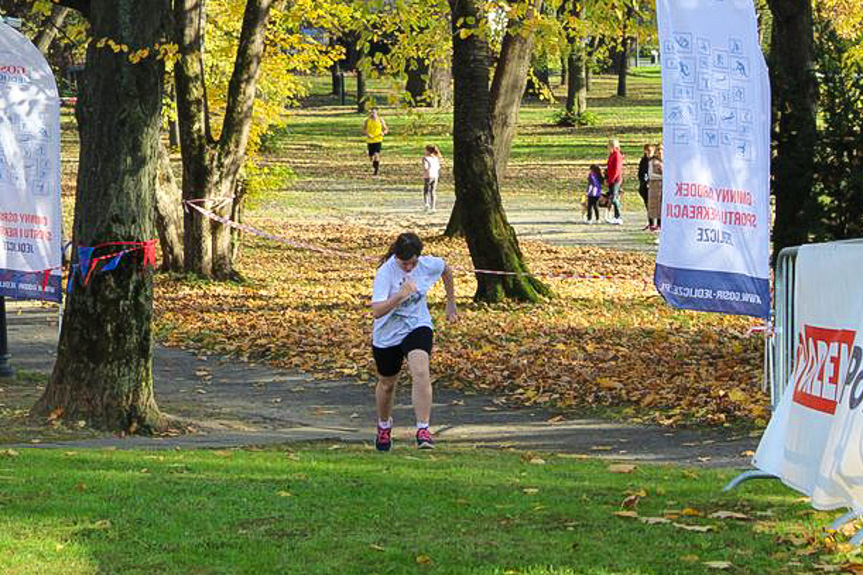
(30, 216)
(814, 441)
(714, 245)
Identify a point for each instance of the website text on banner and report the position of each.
(714, 249)
(30, 218)
(814, 441)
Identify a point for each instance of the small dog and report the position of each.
(604, 203)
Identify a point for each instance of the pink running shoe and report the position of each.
(384, 439)
(424, 439)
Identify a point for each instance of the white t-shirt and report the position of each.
(431, 164)
(391, 329)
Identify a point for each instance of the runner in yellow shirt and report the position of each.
(374, 129)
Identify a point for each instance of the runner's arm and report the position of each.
(449, 286)
(382, 308)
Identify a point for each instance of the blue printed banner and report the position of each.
(715, 239)
(30, 285)
(30, 216)
(722, 292)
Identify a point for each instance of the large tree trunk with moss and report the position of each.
(169, 214)
(491, 240)
(510, 79)
(211, 167)
(795, 93)
(103, 373)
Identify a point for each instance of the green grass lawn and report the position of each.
(335, 509)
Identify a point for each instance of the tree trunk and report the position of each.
(50, 28)
(491, 240)
(103, 373)
(210, 169)
(453, 226)
(193, 117)
(564, 63)
(234, 139)
(795, 92)
(540, 72)
(361, 90)
(623, 55)
(169, 214)
(510, 79)
(440, 79)
(173, 125)
(576, 87)
(417, 84)
(335, 76)
(173, 134)
(622, 68)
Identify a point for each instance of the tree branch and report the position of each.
(243, 84)
(82, 6)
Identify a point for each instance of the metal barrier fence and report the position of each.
(780, 344)
(780, 356)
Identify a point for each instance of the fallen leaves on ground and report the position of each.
(608, 341)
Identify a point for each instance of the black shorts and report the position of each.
(374, 148)
(389, 359)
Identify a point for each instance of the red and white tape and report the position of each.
(303, 245)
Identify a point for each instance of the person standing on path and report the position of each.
(403, 329)
(643, 180)
(594, 190)
(431, 175)
(614, 177)
(374, 129)
(654, 193)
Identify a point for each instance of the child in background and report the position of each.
(594, 190)
(431, 168)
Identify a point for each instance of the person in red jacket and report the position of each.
(614, 178)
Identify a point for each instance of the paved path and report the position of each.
(389, 200)
(245, 404)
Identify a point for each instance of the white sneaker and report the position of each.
(617, 221)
